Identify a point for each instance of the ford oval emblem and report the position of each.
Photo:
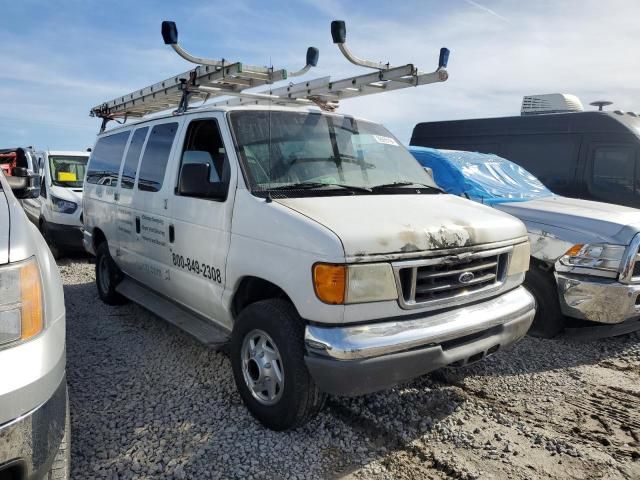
(466, 277)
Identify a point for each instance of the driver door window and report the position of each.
(203, 144)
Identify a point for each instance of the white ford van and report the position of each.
(58, 210)
(312, 243)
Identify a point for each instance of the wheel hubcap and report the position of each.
(262, 367)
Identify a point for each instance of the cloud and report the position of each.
(488, 10)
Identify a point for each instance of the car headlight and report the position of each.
(599, 256)
(63, 206)
(21, 315)
(343, 284)
(519, 262)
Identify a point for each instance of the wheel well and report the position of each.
(540, 264)
(98, 237)
(13, 470)
(254, 289)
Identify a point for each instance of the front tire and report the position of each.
(549, 320)
(108, 275)
(267, 356)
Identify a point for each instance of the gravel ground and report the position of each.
(148, 401)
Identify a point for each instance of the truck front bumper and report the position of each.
(359, 359)
(29, 443)
(599, 300)
(68, 237)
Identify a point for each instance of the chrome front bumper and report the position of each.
(29, 443)
(597, 300)
(358, 359)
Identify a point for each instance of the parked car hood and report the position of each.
(66, 193)
(390, 224)
(613, 223)
(4, 228)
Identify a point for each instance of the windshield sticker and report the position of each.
(385, 140)
(67, 177)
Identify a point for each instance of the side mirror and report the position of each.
(194, 182)
(23, 184)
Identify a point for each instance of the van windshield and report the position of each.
(67, 170)
(319, 152)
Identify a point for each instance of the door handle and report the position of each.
(116, 196)
(137, 224)
(172, 234)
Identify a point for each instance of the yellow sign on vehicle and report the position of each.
(67, 177)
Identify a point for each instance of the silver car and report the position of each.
(34, 412)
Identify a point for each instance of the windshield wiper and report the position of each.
(405, 184)
(314, 185)
(298, 186)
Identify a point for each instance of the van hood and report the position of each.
(66, 193)
(395, 224)
(612, 223)
(4, 228)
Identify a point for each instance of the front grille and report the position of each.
(441, 279)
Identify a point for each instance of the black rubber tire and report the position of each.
(301, 400)
(56, 251)
(107, 284)
(549, 320)
(61, 467)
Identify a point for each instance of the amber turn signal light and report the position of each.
(573, 251)
(329, 282)
(31, 300)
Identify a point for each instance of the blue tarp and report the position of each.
(482, 177)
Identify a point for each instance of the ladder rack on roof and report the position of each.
(221, 78)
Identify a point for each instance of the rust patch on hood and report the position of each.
(446, 236)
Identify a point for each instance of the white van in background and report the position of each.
(58, 209)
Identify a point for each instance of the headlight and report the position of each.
(340, 284)
(600, 256)
(63, 206)
(21, 315)
(519, 259)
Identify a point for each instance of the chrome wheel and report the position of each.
(262, 367)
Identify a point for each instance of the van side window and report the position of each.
(553, 158)
(132, 158)
(156, 156)
(104, 164)
(203, 144)
(613, 169)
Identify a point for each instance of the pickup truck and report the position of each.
(34, 411)
(583, 253)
